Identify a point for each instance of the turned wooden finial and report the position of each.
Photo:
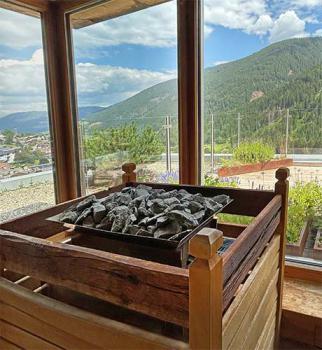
(205, 243)
(129, 172)
(282, 174)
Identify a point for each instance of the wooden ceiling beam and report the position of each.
(89, 12)
(28, 7)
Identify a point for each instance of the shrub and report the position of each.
(235, 219)
(147, 147)
(253, 152)
(217, 182)
(305, 203)
(128, 142)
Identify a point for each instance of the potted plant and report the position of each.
(305, 203)
(317, 248)
(251, 157)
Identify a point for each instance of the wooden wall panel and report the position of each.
(24, 339)
(80, 325)
(239, 315)
(154, 289)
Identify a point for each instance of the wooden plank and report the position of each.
(62, 237)
(6, 345)
(251, 292)
(296, 291)
(302, 328)
(41, 329)
(268, 331)
(100, 331)
(24, 339)
(158, 290)
(205, 291)
(26, 7)
(247, 239)
(303, 272)
(257, 322)
(91, 12)
(252, 325)
(248, 262)
(77, 5)
(269, 334)
(231, 230)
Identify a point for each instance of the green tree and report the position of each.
(9, 135)
(146, 147)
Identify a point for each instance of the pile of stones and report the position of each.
(145, 211)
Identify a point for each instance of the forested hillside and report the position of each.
(261, 87)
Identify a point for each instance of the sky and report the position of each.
(118, 58)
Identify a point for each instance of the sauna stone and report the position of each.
(145, 211)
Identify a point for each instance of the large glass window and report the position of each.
(263, 107)
(126, 73)
(26, 171)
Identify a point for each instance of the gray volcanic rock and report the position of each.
(83, 215)
(172, 227)
(145, 211)
(99, 212)
(69, 217)
(183, 218)
(87, 202)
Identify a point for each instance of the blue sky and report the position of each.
(118, 58)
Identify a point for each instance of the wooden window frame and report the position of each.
(62, 97)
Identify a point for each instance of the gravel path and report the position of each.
(26, 200)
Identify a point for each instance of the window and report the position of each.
(126, 73)
(263, 107)
(26, 168)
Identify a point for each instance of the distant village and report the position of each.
(22, 154)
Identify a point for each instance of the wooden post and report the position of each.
(205, 291)
(189, 97)
(281, 188)
(129, 172)
(61, 92)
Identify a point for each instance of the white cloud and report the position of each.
(307, 3)
(22, 85)
(262, 25)
(251, 16)
(104, 85)
(19, 31)
(318, 32)
(288, 25)
(217, 63)
(155, 26)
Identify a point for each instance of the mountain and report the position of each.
(36, 121)
(285, 77)
(261, 87)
